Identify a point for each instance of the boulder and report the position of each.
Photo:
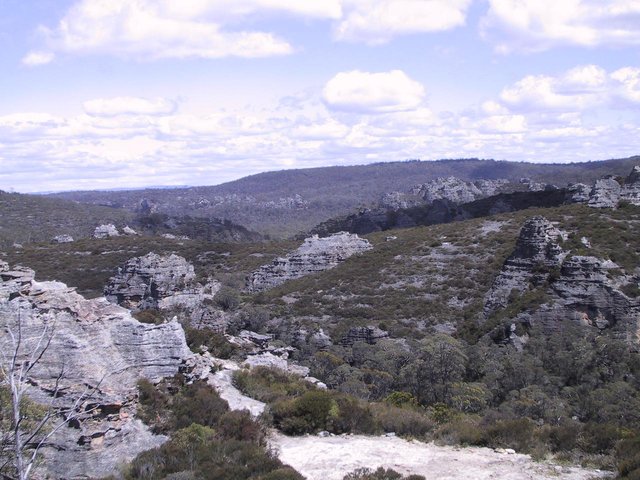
(62, 239)
(106, 231)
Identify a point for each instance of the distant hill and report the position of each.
(288, 202)
(38, 218)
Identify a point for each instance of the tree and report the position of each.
(26, 425)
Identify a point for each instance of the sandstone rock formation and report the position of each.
(536, 254)
(363, 334)
(314, 255)
(582, 289)
(62, 239)
(608, 192)
(605, 193)
(102, 351)
(166, 283)
(127, 230)
(106, 231)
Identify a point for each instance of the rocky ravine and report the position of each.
(103, 351)
(314, 255)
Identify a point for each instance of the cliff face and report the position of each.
(536, 254)
(102, 352)
(578, 288)
(167, 283)
(314, 255)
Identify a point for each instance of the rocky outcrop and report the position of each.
(62, 239)
(368, 335)
(608, 192)
(106, 231)
(314, 255)
(102, 352)
(456, 190)
(127, 230)
(605, 193)
(167, 283)
(582, 289)
(537, 253)
(579, 192)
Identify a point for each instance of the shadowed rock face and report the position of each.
(103, 351)
(314, 255)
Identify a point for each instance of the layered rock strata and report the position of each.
(167, 283)
(314, 255)
(536, 254)
(98, 351)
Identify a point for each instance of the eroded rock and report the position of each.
(102, 351)
(106, 231)
(314, 255)
(167, 283)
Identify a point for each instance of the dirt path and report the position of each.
(331, 458)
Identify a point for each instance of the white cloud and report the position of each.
(154, 29)
(534, 25)
(35, 58)
(111, 107)
(377, 21)
(578, 89)
(364, 92)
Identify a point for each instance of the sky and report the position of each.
(100, 94)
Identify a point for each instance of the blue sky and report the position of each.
(131, 93)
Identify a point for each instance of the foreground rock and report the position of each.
(314, 255)
(102, 351)
(167, 283)
(331, 458)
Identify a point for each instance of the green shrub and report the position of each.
(379, 474)
(402, 421)
(216, 343)
(628, 458)
(199, 403)
(152, 316)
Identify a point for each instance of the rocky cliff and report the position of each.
(314, 255)
(584, 289)
(609, 191)
(167, 283)
(101, 352)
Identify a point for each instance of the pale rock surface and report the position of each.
(456, 190)
(314, 255)
(106, 231)
(103, 350)
(127, 230)
(333, 457)
(165, 283)
(62, 239)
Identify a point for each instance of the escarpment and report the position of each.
(96, 353)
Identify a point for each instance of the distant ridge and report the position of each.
(287, 202)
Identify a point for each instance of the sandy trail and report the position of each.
(331, 458)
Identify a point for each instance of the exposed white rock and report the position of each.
(333, 457)
(314, 255)
(106, 231)
(127, 230)
(101, 347)
(62, 239)
(605, 193)
(166, 283)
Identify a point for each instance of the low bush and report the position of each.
(379, 474)
(216, 343)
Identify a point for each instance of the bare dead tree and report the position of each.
(24, 437)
